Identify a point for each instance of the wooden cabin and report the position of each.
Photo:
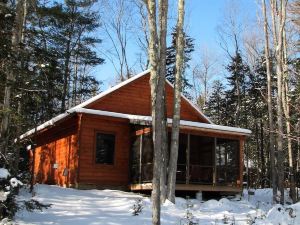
(106, 142)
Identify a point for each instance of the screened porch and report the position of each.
(202, 160)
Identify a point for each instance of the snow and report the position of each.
(4, 173)
(14, 182)
(111, 207)
(3, 195)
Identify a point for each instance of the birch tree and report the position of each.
(176, 103)
(278, 15)
(157, 83)
(203, 72)
(270, 103)
(163, 17)
(286, 109)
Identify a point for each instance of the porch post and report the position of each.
(215, 162)
(241, 158)
(140, 159)
(187, 179)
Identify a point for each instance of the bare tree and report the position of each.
(270, 103)
(203, 72)
(231, 29)
(176, 102)
(157, 83)
(286, 110)
(117, 25)
(163, 23)
(278, 15)
(142, 34)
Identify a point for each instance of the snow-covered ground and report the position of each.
(110, 207)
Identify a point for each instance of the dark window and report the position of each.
(105, 148)
(227, 160)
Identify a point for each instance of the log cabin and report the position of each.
(105, 142)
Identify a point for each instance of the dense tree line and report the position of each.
(46, 53)
(243, 103)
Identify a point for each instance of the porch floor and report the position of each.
(189, 187)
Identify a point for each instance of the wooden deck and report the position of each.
(189, 187)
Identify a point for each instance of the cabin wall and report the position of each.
(104, 175)
(135, 98)
(55, 158)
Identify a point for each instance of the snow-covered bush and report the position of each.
(33, 204)
(9, 187)
(137, 207)
(189, 218)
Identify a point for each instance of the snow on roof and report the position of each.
(134, 118)
(79, 108)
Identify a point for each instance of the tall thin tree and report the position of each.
(157, 83)
(270, 103)
(176, 103)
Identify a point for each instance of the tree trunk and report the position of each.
(66, 75)
(286, 109)
(17, 36)
(270, 104)
(238, 107)
(156, 111)
(278, 29)
(163, 20)
(262, 155)
(176, 103)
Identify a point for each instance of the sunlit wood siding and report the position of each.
(134, 98)
(57, 146)
(102, 174)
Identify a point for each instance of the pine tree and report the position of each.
(216, 105)
(171, 60)
(235, 96)
(65, 31)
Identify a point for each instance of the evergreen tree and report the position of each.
(171, 59)
(50, 66)
(216, 106)
(257, 149)
(68, 28)
(235, 96)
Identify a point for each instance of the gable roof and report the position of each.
(118, 86)
(101, 95)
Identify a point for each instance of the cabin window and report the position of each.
(105, 148)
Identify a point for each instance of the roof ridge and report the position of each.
(100, 95)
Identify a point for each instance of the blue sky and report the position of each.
(202, 19)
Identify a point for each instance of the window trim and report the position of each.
(95, 146)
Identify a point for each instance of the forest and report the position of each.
(50, 52)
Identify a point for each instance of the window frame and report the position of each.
(95, 148)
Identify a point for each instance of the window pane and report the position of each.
(105, 147)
